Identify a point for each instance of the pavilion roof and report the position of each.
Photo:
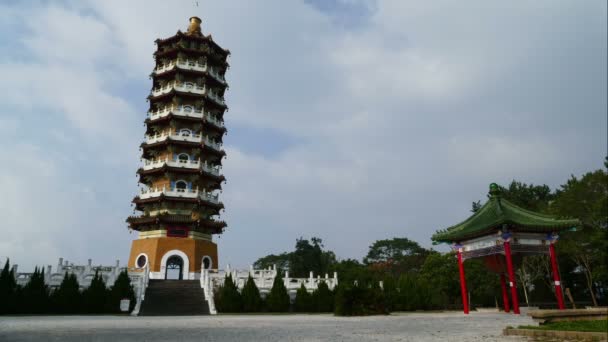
(496, 213)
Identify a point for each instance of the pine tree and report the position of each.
(278, 298)
(252, 301)
(96, 295)
(323, 298)
(228, 297)
(67, 299)
(122, 289)
(7, 289)
(36, 294)
(303, 302)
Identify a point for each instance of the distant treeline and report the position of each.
(36, 297)
(417, 278)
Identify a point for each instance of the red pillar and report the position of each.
(557, 282)
(505, 295)
(511, 278)
(463, 284)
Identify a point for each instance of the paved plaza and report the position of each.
(444, 326)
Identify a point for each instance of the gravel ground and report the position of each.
(440, 326)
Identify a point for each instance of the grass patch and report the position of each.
(590, 326)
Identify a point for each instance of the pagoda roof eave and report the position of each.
(180, 34)
(496, 213)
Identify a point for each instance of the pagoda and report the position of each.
(182, 157)
(501, 233)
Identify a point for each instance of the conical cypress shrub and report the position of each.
(8, 287)
(303, 302)
(252, 301)
(228, 297)
(67, 299)
(96, 295)
(35, 299)
(323, 298)
(122, 289)
(278, 298)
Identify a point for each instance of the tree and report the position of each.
(252, 301)
(351, 270)
(528, 196)
(309, 256)
(8, 287)
(228, 297)
(281, 261)
(396, 255)
(96, 295)
(67, 299)
(303, 302)
(440, 271)
(122, 289)
(532, 268)
(278, 298)
(323, 298)
(586, 199)
(35, 293)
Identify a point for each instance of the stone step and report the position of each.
(174, 298)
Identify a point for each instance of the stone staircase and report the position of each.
(174, 298)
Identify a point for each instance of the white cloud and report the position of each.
(399, 123)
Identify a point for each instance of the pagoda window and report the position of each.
(188, 109)
(189, 85)
(183, 158)
(184, 132)
(181, 186)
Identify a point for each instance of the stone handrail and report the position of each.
(142, 285)
(208, 290)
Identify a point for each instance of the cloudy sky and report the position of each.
(350, 120)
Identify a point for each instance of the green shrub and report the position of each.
(8, 288)
(228, 298)
(67, 299)
(323, 298)
(303, 302)
(252, 301)
(34, 297)
(96, 295)
(278, 298)
(359, 300)
(122, 289)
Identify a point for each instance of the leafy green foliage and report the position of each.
(396, 256)
(67, 299)
(303, 302)
(278, 298)
(8, 287)
(35, 295)
(96, 295)
(359, 300)
(323, 298)
(228, 298)
(252, 301)
(281, 261)
(122, 289)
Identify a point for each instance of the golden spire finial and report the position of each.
(195, 26)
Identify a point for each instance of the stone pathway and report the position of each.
(441, 326)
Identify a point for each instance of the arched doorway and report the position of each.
(175, 268)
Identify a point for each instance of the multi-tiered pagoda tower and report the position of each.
(182, 157)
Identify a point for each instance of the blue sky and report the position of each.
(350, 120)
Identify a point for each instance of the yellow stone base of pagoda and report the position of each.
(157, 252)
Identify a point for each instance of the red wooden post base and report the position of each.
(505, 295)
(556, 280)
(463, 284)
(511, 278)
